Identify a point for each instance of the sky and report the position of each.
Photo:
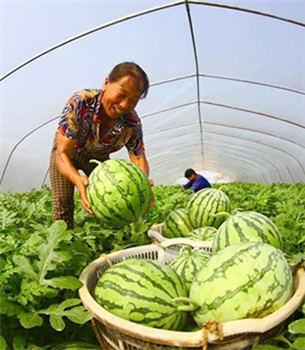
(251, 147)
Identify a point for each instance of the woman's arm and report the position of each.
(64, 151)
(140, 161)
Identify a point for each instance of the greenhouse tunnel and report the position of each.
(227, 84)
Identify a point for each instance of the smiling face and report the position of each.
(120, 96)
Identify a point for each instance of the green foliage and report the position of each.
(40, 263)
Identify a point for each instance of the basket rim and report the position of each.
(178, 338)
(154, 234)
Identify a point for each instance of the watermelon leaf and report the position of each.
(30, 319)
(64, 282)
(77, 314)
(25, 266)
(297, 327)
(57, 322)
(55, 235)
(299, 343)
(3, 344)
(19, 343)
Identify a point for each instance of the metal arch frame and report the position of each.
(264, 145)
(197, 76)
(255, 171)
(254, 12)
(160, 167)
(174, 170)
(253, 112)
(21, 140)
(238, 138)
(161, 111)
(186, 2)
(215, 76)
(235, 150)
(90, 31)
(255, 131)
(224, 106)
(141, 13)
(251, 164)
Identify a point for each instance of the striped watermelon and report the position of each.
(205, 204)
(142, 291)
(247, 226)
(203, 233)
(189, 262)
(244, 280)
(118, 192)
(177, 223)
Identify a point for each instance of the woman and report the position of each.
(94, 124)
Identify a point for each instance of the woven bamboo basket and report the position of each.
(115, 333)
(156, 235)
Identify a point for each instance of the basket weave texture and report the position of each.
(115, 333)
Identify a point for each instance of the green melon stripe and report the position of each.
(265, 220)
(253, 279)
(269, 303)
(140, 185)
(160, 317)
(221, 270)
(143, 182)
(215, 207)
(93, 195)
(227, 235)
(120, 271)
(168, 278)
(181, 267)
(153, 321)
(205, 202)
(114, 287)
(196, 201)
(179, 216)
(111, 176)
(176, 316)
(256, 223)
(186, 267)
(172, 222)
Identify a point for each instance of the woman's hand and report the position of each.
(81, 183)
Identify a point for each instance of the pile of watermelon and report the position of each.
(245, 276)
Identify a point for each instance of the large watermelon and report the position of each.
(247, 226)
(244, 280)
(142, 291)
(189, 262)
(177, 223)
(118, 192)
(203, 233)
(205, 207)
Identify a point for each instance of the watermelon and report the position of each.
(142, 291)
(244, 280)
(118, 192)
(189, 262)
(202, 233)
(177, 223)
(247, 226)
(209, 207)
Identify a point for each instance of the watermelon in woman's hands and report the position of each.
(119, 193)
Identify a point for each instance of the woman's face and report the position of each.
(121, 96)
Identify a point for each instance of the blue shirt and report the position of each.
(198, 184)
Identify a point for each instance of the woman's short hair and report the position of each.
(189, 172)
(130, 69)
